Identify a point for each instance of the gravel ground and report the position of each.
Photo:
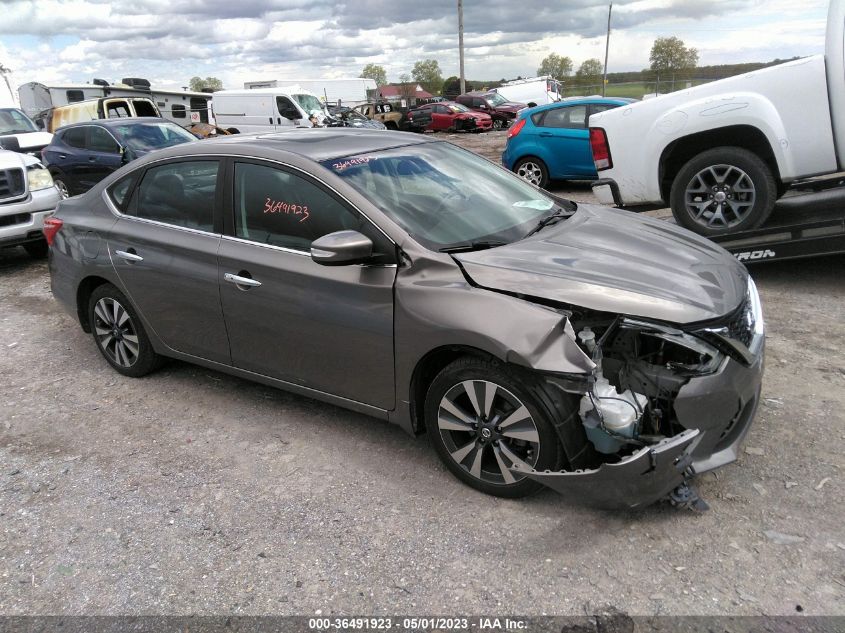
(193, 492)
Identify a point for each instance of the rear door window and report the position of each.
(75, 137)
(99, 140)
(568, 117)
(181, 193)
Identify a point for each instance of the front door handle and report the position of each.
(238, 280)
(129, 256)
(545, 134)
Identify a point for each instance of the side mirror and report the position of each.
(125, 155)
(341, 248)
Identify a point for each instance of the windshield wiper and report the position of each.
(476, 245)
(549, 219)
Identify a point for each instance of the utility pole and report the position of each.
(461, 43)
(606, 50)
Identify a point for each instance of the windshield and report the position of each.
(495, 99)
(145, 137)
(13, 121)
(309, 103)
(444, 196)
(457, 107)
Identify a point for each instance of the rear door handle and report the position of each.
(92, 159)
(128, 256)
(241, 281)
(545, 134)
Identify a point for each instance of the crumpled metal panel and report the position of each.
(638, 480)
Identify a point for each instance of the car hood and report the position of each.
(31, 140)
(613, 261)
(511, 106)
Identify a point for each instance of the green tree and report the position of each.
(556, 66)
(670, 57)
(197, 84)
(376, 73)
(590, 72)
(451, 87)
(407, 89)
(427, 74)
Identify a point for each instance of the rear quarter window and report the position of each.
(119, 191)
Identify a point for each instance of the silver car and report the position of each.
(537, 342)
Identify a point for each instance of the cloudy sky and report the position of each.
(169, 41)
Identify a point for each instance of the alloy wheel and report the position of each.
(497, 124)
(115, 332)
(531, 172)
(63, 190)
(486, 429)
(720, 196)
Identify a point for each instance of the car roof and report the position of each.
(118, 121)
(317, 144)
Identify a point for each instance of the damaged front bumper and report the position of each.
(638, 480)
(715, 410)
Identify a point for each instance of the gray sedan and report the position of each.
(536, 341)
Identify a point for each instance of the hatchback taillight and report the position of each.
(51, 227)
(516, 128)
(601, 149)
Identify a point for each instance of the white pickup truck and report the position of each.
(721, 154)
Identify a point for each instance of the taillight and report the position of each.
(410, 116)
(601, 149)
(516, 128)
(51, 227)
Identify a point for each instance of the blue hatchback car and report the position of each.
(553, 141)
(81, 154)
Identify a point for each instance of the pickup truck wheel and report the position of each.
(723, 190)
(498, 124)
(483, 417)
(532, 170)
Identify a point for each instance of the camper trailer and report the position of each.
(180, 106)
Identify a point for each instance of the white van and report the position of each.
(265, 109)
(533, 91)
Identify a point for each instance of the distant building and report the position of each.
(398, 92)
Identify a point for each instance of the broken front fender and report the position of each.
(636, 481)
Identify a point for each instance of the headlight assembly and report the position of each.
(673, 348)
(38, 178)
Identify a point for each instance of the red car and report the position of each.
(452, 117)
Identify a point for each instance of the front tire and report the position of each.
(119, 334)
(64, 190)
(532, 170)
(723, 190)
(483, 417)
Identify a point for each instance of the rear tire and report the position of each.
(532, 170)
(477, 440)
(119, 334)
(723, 190)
